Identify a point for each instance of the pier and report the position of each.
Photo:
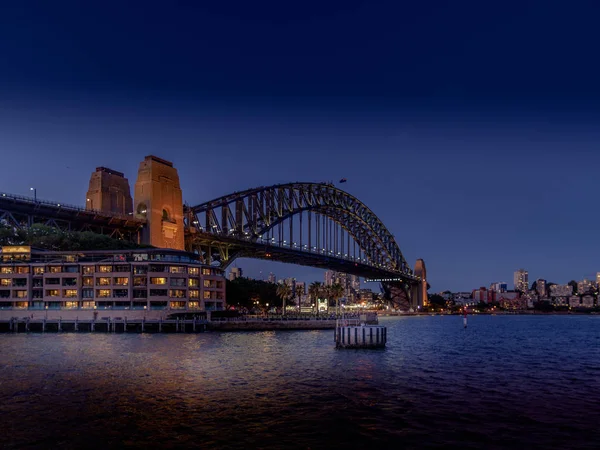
(107, 325)
(364, 332)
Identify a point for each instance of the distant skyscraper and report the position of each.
(585, 286)
(234, 273)
(499, 287)
(598, 278)
(521, 280)
(272, 278)
(540, 287)
(329, 277)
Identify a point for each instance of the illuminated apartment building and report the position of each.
(108, 279)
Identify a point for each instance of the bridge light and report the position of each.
(58, 204)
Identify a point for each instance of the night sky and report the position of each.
(469, 127)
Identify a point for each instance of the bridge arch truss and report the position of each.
(312, 224)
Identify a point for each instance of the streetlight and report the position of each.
(34, 194)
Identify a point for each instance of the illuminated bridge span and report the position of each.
(311, 224)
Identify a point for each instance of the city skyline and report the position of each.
(469, 168)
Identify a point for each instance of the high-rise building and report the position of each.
(272, 278)
(235, 273)
(500, 286)
(540, 287)
(329, 277)
(521, 280)
(585, 286)
(598, 278)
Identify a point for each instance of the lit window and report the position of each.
(52, 293)
(88, 305)
(176, 269)
(177, 305)
(205, 271)
(88, 281)
(6, 270)
(38, 270)
(193, 293)
(19, 294)
(206, 294)
(121, 281)
(193, 282)
(207, 283)
(194, 305)
(54, 269)
(105, 269)
(88, 269)
(103, 281)
(158, 280)
(70, 293)
(176, 293)
(193, 271)
(71, 305)
(103, 293)
(5, 282)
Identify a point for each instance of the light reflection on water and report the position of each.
(515, 381)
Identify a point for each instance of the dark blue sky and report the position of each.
(469, 127)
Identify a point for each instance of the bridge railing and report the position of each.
(67, 207)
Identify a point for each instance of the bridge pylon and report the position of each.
(158, 199)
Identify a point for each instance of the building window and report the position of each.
(158, 292)
(140, 270)
(121, 293)
(140, 281)
(193, 282)
(71, 305)
(177, 305)
(177, 269)
(87, 270)
(121, 281)
(70, 293)
(105, 269)
(139, 293)
(103, 293)
(52, 292)
(5, 282)
(20, 294)
(158, 280)
(69, 282)
(20, 282)
(38, 271)
(21, 305)
(54, 269)
(194, 305)
(103, 281)
(88, 305)
(219, 285)
(22, 269)
(38, 282)
(193, 271)
(88, 281)
(179, 282)
(193, 293)
(157, 268)
(122, 268)
(6, 270)
(206, 294)
(70, 258)
(176, 293)
(52, 281)
(37, 293)
(87, 293)
(4, 294)
(71, 269)
(205, 271)
(208, 284)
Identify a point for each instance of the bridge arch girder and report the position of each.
(249, 215)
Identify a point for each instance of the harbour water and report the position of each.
(504, 382)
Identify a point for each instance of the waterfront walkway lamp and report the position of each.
(34, 194)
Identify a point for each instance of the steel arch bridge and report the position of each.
(312, 224)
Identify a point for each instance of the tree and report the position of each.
(436, 301)
(534, 286)
(336, 291)
(574, 284)
(314, 291)
(284, 292)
